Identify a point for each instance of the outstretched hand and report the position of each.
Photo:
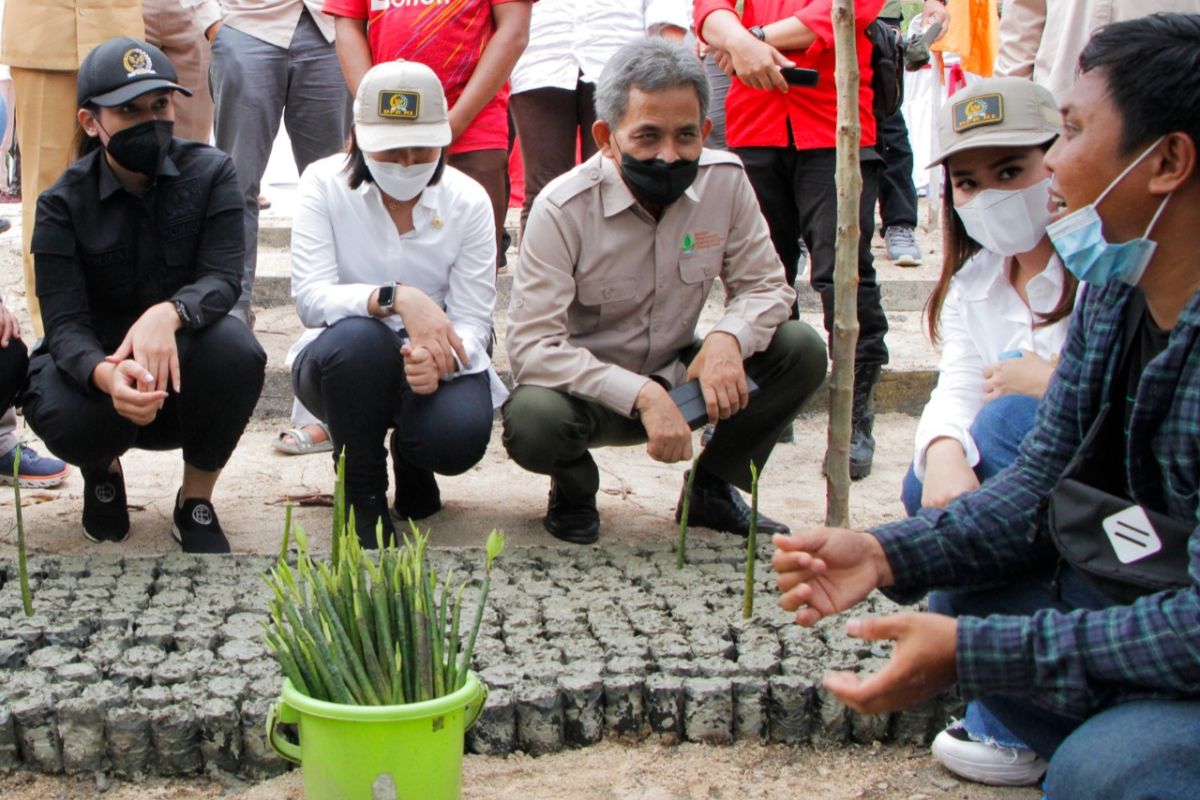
(823, 571)
(923, 663)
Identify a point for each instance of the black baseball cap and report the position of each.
(121, 69)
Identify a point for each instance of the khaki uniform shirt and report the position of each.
(605, 295)
(1042, 39)
(56, 35)
(274, 21)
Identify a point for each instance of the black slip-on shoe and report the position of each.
(197, 528)
(572, 521)
(719, 505)
(105, 510)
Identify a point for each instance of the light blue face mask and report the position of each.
(1079, 239)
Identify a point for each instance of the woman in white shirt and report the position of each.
(393, 256)
(1000, 311)
(1001, 308)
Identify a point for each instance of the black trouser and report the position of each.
(897, 194)
(14, 364)
(352, 377)
(221, 369)
(550, 432)
(798, 197)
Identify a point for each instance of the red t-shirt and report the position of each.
(446, 35)
(758, 118)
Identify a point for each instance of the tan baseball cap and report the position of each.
(996, 112)
(400, 104)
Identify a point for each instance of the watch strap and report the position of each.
(757, 32)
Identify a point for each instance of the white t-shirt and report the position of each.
(345, 245)
(982, 317)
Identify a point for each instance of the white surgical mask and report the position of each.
(400, 181)
(1007, 222)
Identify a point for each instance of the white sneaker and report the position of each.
(986, 762)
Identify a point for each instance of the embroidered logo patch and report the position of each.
(202, 515)
(399, 104)
(1131, 535)
(137, 62)
(689, 243)
(987, 109)
(106, 492)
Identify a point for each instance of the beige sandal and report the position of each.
(302, 443)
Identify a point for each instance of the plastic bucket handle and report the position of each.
(282, 712)
(475, 707)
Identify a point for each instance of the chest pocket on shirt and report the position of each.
(110, 277)
(598, 299)
(700, 268)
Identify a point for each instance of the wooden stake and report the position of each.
(848, 178)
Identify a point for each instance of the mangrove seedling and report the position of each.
(22, 564)
(751, 546)
(681, 551)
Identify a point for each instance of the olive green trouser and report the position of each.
(550, 432)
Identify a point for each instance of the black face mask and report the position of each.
(142, 147)
(656, 181)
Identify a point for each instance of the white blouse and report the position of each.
(982, 317)
(345, 245)
(574, 39)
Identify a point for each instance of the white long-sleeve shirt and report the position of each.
(571, 39)
(982, 317)
(345, 245)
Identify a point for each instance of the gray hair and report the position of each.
(651, 65)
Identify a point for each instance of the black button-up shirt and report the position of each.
(103, 255)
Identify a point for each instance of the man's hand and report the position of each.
(1028, 375)
(922, 665)
(420, 369)
(722, 376)
(947, 474)
(757, 64)
(131, 388)
(151, 343)
(669, 439)
(823, 571)
(10, 328)
(429, 327)
(936, 11)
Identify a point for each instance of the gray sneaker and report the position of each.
(902, 247)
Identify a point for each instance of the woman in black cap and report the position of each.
(138, 257)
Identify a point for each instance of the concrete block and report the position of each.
(663, 695)
(624, 709)
(759, 663)
(831, 718)
(10, 755)
(69, 631)
(12, 653)
(708, 710)
(176, 733)
(242, 651)
(789, 699)
(917, 725)
(52, 657)
(81, 730)
(259, 759)
(539, 719)
(37, 732)
(153, 697)
(220, 734)
(750, 720)
(495, 732)
(80, 672)
(583, 708)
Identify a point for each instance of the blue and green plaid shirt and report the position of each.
(1079, 662)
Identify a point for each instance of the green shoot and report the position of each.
(681, 551)
(751, 546)
(22, 564)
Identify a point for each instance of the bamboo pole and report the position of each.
(848, 178)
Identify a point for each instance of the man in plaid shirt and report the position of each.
(1107, 692)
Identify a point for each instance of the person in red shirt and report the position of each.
(471, 45)
(786, 138)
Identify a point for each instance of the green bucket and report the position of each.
(404, 752)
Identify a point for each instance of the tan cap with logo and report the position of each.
(400, 104)
(996, 112)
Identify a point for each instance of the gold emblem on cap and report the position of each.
(137, 62)
(986, 109)
(399, 104)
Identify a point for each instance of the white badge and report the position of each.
(1131, 535)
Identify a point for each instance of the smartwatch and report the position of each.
(757, 32)
(182, 311)
(386, 298)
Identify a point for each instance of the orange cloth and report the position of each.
(974, 35)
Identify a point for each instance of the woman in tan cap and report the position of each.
(999, 313)
(393, 258)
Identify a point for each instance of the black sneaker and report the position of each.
(719, 505)
(105, 511)
(417, 492)
(572, 521)
(196, 527)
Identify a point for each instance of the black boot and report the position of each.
(417, 493)
(862, 443)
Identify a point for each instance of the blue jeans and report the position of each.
(998, 431)
(1139, 749)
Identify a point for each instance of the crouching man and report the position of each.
(618, 257)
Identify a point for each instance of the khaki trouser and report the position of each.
(46, 127)
(172, 28)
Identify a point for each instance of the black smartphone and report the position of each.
(799, 76)
(690, 400)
